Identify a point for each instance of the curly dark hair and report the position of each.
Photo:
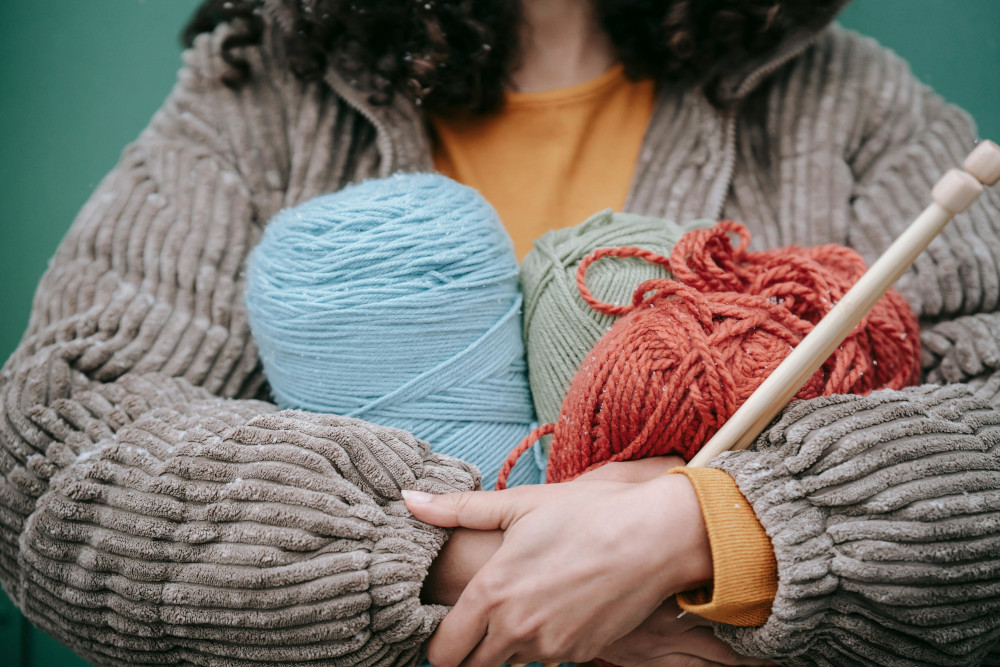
(456, 55)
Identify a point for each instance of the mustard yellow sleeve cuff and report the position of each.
(746, 574)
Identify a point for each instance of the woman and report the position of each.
(154, 512)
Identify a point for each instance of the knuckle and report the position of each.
(525, 630)
(548, 652)
(580, 655)
(583, 651)
(477, 593)
(566, 648)
(488, 591)
(459, 502)
(488, 585)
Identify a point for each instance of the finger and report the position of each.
(491, 652)
(682, 660)
(665, 636)
(654, 639)
(481, 510)
(667, 620)
(701, 642)
(459, 633)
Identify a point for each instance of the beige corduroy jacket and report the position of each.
(154, 510)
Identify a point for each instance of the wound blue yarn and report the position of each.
(397, 301)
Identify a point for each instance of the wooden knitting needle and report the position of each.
(953, 194)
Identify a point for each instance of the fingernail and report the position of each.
(416, 496)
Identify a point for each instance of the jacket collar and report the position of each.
(744, 79)
(401, 132)
(401, 136)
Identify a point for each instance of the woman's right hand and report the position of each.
(468, 550)
(670, 637)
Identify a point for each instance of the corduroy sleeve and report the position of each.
(149, 512)
(884, 511)
(883, 515)
(745, 575)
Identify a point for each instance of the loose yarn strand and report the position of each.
(560, 328)
(689, 350)
(623, 252)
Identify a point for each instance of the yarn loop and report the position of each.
(560, 328)
(688, 351)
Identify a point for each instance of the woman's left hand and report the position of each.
(581, 565)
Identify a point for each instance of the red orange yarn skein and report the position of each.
(688, 352)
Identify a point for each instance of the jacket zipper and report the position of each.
(383, 139)
(728, 168)
(729, 158)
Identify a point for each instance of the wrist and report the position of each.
(679, 523)
(461, 557)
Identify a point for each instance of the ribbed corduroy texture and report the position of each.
(139, 332)
(397, 301)
(149, 513)
(559, 327)
(215, 532)
(893, 508)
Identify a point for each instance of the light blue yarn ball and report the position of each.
(397, 301)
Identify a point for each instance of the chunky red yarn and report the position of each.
(687, 352)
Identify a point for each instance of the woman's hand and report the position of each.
(672, 638)
(466, 551)
(580, 566)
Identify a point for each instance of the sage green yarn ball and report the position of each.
(559, 327)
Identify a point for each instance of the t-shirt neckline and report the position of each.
(579, 91)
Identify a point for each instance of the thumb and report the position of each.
(480, 510)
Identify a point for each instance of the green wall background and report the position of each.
(79, 80)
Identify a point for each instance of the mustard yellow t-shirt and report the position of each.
(549, 160)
